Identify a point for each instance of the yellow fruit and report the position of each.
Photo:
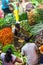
(21, 41)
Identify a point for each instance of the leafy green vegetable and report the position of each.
(23, 16)
(40, 12)
(17, 54)
(39, 1)
(36, 28)
(0, 62)
(7, 21)
(10, 19)
(5, 48)
(25, 25)
(2, 22)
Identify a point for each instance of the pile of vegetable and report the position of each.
(23, 16)
(10, 19)
(36, 28)
(6, 35)
(25, 25)
(0, 62)
(40, 12)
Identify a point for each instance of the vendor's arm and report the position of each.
(16, 59)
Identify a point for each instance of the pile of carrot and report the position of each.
(6, 36)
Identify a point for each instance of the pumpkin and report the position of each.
(41, 49)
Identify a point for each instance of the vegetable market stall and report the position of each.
(31, 25)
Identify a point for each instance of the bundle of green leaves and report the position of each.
(10, 19)
(36, 28)
(40, 12)
(2, 22)
(25, 25)
(5, 48)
